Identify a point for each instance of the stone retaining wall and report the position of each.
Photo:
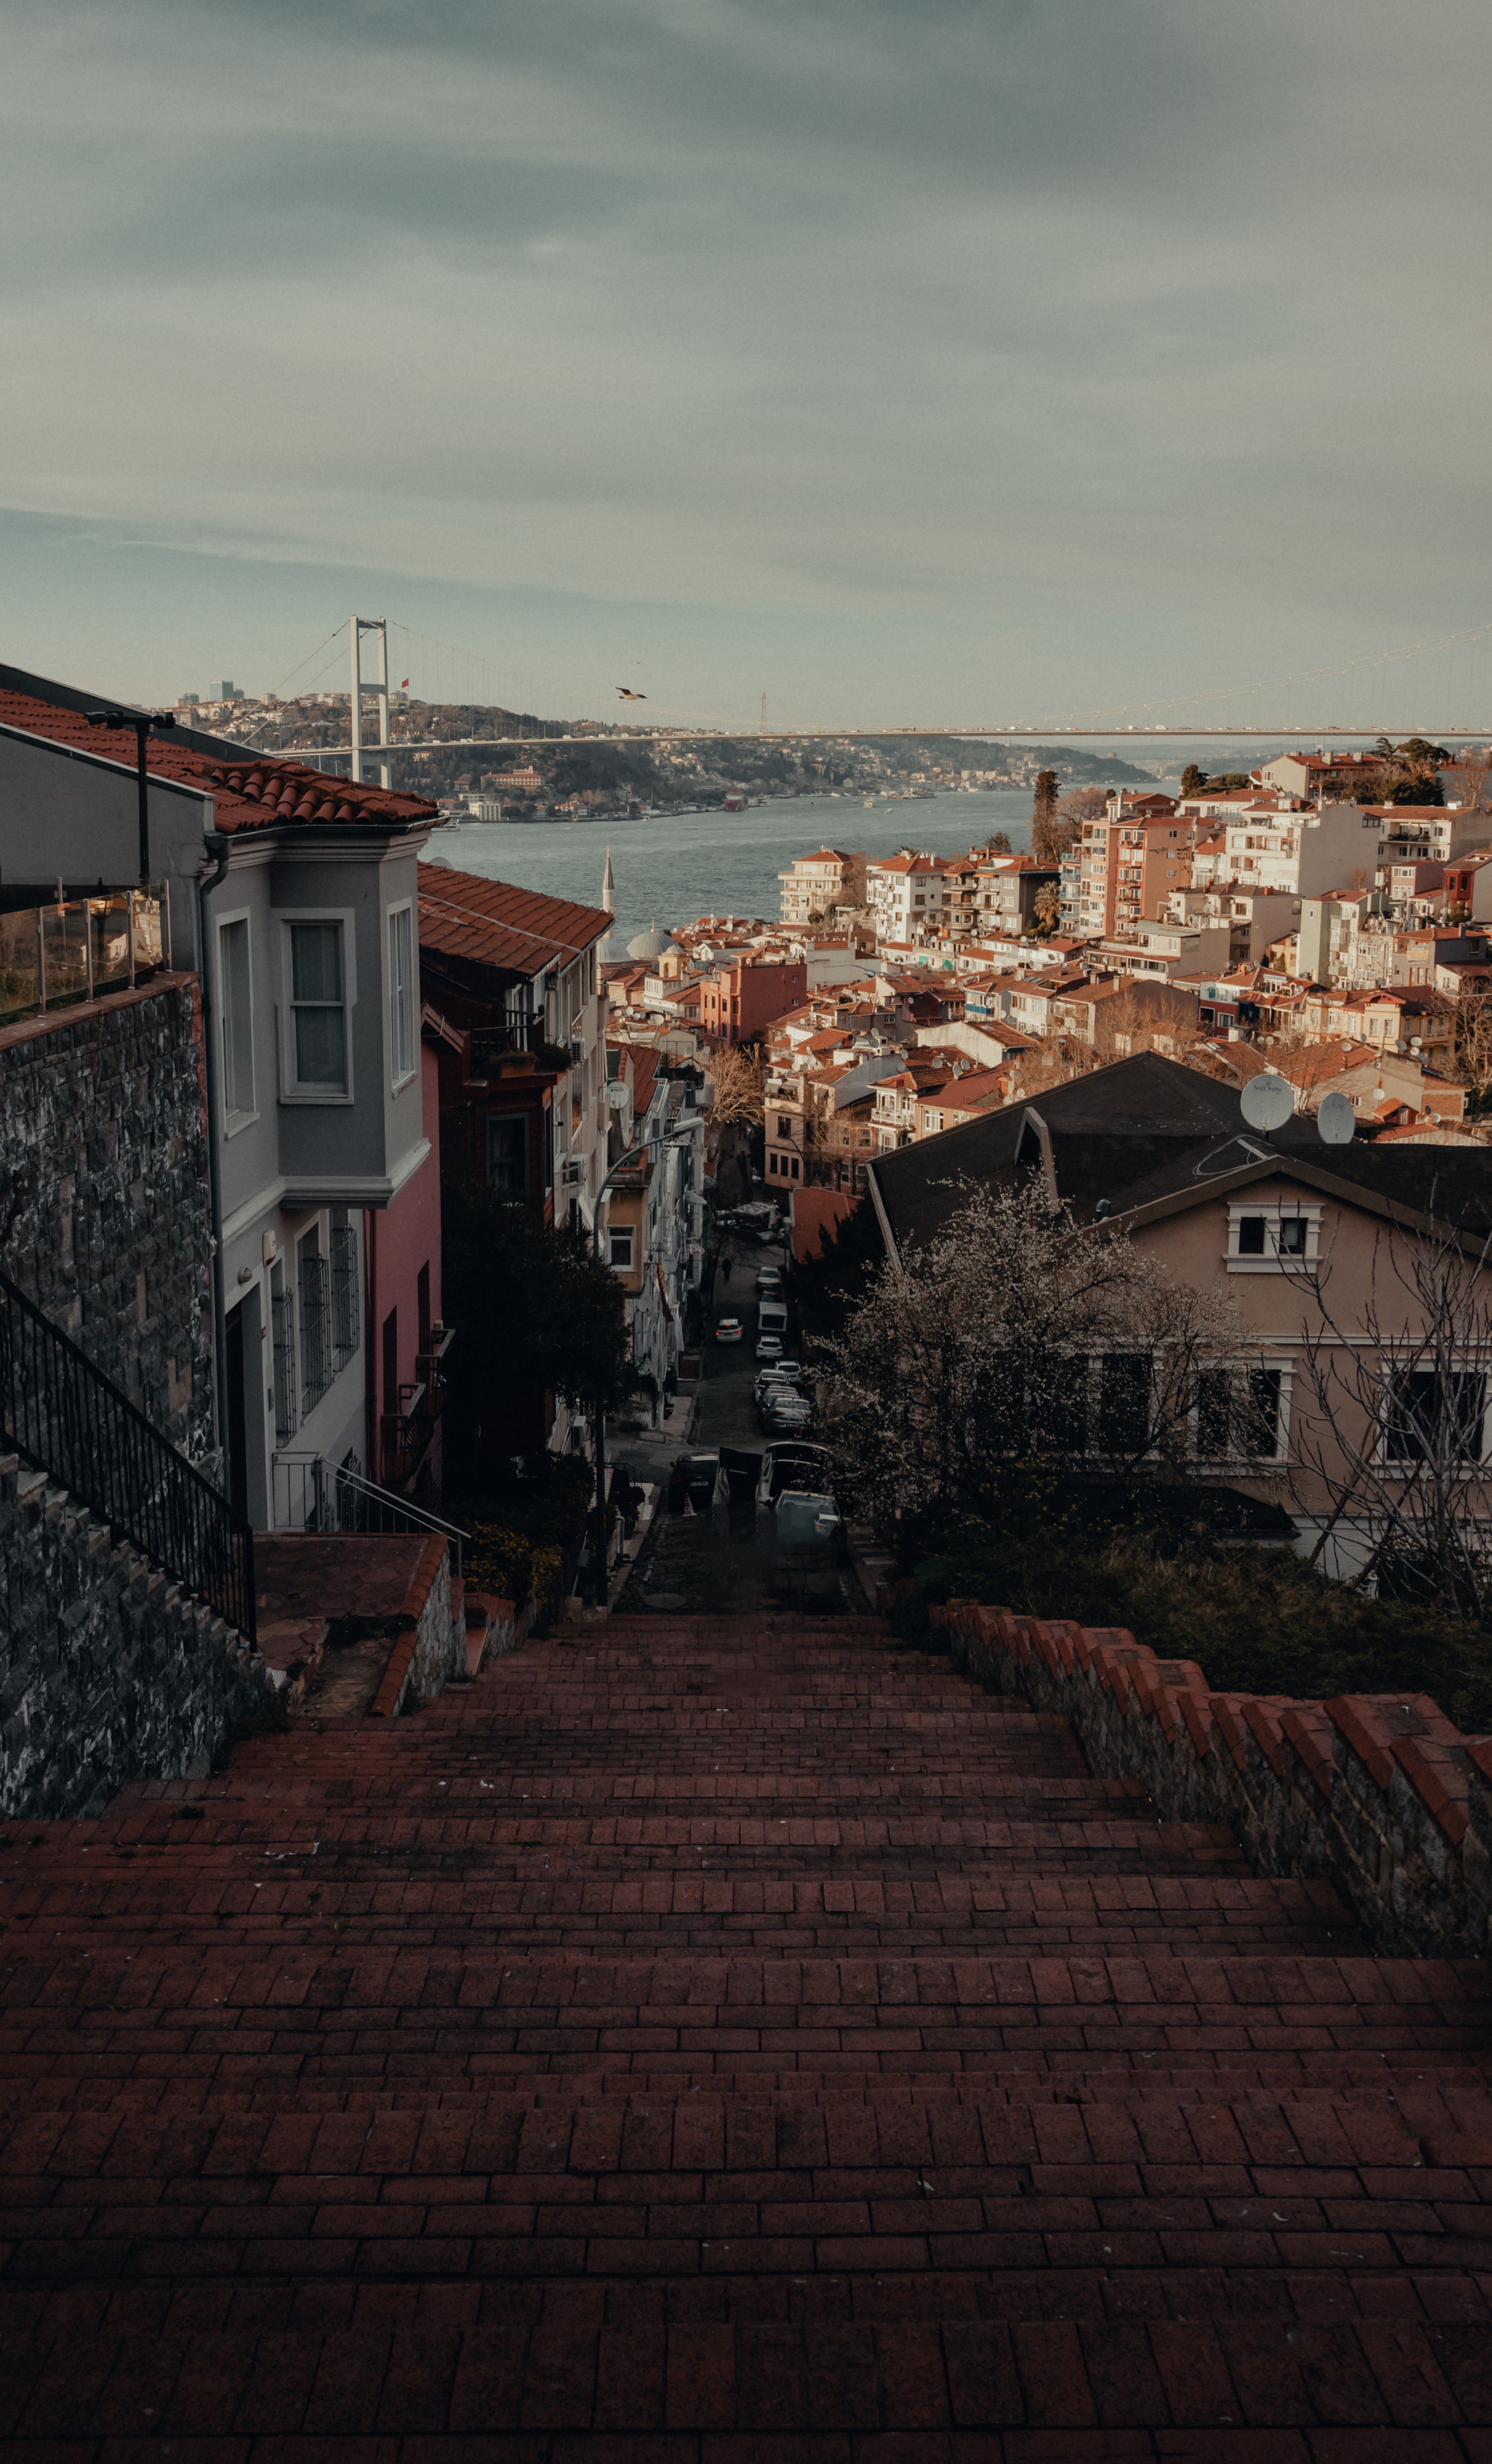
(108, 1671)
(103, 1193)
(1379, 1793)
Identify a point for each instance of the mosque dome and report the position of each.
(652, 944)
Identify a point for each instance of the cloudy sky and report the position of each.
(940, 360)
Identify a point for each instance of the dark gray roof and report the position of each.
(1147, 1129)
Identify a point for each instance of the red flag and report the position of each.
(402, 681)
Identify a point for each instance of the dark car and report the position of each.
(693, 1477)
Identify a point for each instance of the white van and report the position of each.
(772, 1318)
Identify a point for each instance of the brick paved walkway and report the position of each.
(728, 2045)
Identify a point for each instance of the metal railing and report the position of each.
(310, 1494)
(73, 950)
(60, 1410)
(282, 1315)
(316, 1329)
(345, 1298)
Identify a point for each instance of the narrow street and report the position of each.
(690, 1566)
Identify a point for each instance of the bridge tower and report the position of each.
(377, 626)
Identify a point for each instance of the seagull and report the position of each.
(627, 695)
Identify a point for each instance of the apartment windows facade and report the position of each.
(236, 1010)
(316, 1055)
(401, 994)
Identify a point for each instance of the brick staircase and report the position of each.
(732, 2042)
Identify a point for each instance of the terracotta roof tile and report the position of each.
(496, 924)
(248, 794)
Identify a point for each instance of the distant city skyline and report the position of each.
(915, 365)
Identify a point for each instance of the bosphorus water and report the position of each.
(674, 867)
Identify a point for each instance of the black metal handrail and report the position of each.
(60, 1410)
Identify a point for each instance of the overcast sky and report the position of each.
(901, 360)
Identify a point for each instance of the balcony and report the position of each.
(406, 1436)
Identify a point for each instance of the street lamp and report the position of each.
(142, 721)
(621, 1164)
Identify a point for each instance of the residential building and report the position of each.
(524, 1102)
(908, 896)
(653, 1236)
(1008, 887)
(1213, 1207)
(1282, 845)
(739, 997)
(1128, 867)
(295, 895)
(814, 884)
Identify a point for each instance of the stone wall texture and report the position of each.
(103, 1193)
(1377, 1793)
(430, 1647)
(108, 1671)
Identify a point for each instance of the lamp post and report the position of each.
(621, 1164)
(142, 721)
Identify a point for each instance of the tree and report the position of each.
(1192, 779)
(1060, 827)
(1473, 1046)
(999, 843)
(537, 1312)
(1390, 1401)
(1046, 906)
(1044, 804)
(735, 1071)
(1013, 1336)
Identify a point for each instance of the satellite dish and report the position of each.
(1336, 1120)
(1267, 1101)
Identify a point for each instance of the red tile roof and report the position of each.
(496, 924)
(248, 794)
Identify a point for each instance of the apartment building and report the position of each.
(1281, 844)
(909, 896)
(1126, 868)
(653, 1235)
(1008, 887)
(814, 884)
(740, 998)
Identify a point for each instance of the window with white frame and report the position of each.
(401, 992)
(1272, 1236)
(236, 1005)
(1434, 1415)
(318, 1047)
(1243, 1413)
(621, 1236)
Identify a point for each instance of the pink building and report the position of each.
(738, 1002)
(405, 1338)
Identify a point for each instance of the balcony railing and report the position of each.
(73, 950)
(59, 1410)
(405, 1435)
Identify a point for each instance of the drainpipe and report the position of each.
(217, 846)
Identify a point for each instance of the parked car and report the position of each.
(693, 1477)
(729, 1329)
(784, 1416)
(769, 1347)
(778, 1372)
(769, 1284)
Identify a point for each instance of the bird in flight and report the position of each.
(627, 695)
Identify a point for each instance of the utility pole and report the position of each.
(142, 721)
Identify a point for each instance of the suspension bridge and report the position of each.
(1390, 693)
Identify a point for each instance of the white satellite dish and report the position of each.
(1336, 1120)
(1267, 1101)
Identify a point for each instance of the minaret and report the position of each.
(609, 888)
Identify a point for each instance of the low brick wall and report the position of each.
(430, 1648)
(1377, 1793)
(108, 1671)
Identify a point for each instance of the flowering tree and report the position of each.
(1014, 1336)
